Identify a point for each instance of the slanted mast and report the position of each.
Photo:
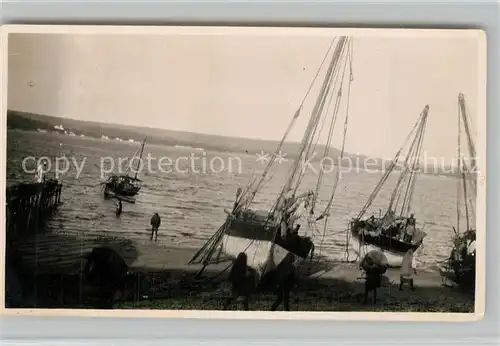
(405, 185)
(139, 151)
(467, 184)
(334, 87)
(461, 264)
(331, 93)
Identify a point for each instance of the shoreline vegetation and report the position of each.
(164, 280)
(19, 120)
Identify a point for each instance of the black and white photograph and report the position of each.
(232, 169)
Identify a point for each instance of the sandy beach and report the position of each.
(332, 286)
(164, 280)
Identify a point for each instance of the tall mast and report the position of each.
(464, 168)
(416, 131)
(316, 113)
(472, 148)
(413, 153)
(248, 196)
(140, 158)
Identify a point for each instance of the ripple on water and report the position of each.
(191, 205)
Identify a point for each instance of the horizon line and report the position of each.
(205, 134)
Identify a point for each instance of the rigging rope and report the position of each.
(317, 111)
(406, 168)
(464, 169)
(337, 177)
(328, 144)
(388, 170)
(249, 200)
(312, 123)
(346, 122)
(405, 208)
(466, 204)
(330, 134)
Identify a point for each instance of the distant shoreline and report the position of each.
(18, 120)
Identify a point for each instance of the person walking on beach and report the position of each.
(155, 224)
(285, 276)
(407, 270)
(375, 265)
(243, 281)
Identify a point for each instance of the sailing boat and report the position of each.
(125, 186)
(267, 236)
(394, 233)
(461, 264)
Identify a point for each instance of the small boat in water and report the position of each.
(461, 264)
(125, 186)
(267, 236)
(394, 233)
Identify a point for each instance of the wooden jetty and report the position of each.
(28, 205)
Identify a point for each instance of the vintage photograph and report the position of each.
(232, 169)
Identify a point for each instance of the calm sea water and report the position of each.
(192, 204)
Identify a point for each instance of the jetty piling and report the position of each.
(29, 205)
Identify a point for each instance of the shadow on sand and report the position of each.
(54, 278)
(334, 287)
(182, 289)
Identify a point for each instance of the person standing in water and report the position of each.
(155, 224)
(40, 172)
(119, 208)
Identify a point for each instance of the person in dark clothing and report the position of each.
(411, 220)
(155, 224)
(374, 264)
(106, 272)
(242, 279)
(285, 278)
(373, 281)
(119, 208)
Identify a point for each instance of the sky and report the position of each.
(247, 86)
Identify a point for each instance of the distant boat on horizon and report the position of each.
(188, 147)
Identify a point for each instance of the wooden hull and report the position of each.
(386, 243)
(128, 192)
(126, 187)
(461, 265)
(264, 248)
(109, 193)
(394, 259)
(465, 279)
